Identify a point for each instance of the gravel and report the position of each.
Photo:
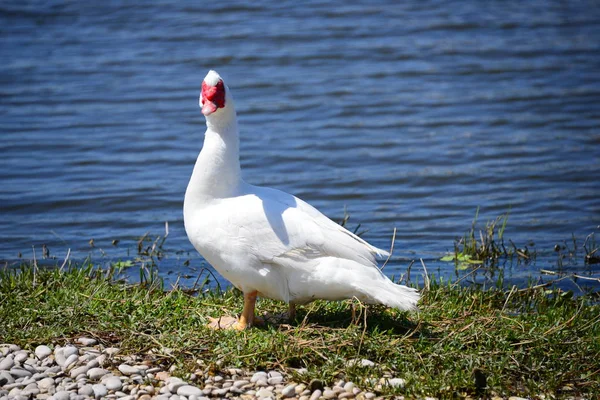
(87, 370)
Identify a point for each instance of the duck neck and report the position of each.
(217, 170)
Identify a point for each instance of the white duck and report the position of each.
(269, 243)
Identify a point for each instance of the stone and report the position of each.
(7, 363)
(276, 380)
(6, 378)
(75, 372)
(62, 395)
(369, 395)
(45, 384)
(100, 390)
(189, 390)
(15, 393)
(240, 383)
(220, 392)
(128, 369)
(69, 351)
(96, 373)
(17, 372)
(42, 352)
(39, 375)
(174, 383)
(261, 375)
(329, 394)
(70, 360)
(86, 390)
(396, 382)
(21, 356)
(349, 387)
(346, 395)
(111, 351)
(59, 357)
(316, 394)
(113, 383)
(300, 388)
(264, 393)
(289, 390)
(86, 341)
(366, 363)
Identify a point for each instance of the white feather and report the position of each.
(212, 78)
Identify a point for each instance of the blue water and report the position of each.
(409, 116)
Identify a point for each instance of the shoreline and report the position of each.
(533, 342)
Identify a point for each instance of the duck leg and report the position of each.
(245, 321)
(247, 317)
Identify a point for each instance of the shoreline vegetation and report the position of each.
(466, 341)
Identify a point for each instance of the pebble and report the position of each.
(71, 359)
(396, 382)
(17, 372)
(276, 380)
(7, 363)
(45, 384)
(87, 370)
(85, 341)
(111, 351)
(315, 395)
(96, 373)
(70, 350)
(289, 390)
(42, 352)
(100, 390)
(6, 378)
(264, 393)
(261, 375)
(189, 390)
(128, 369)
(62, 395)
(174, 383)
(75, 372)
(113, 383)
(21, 356)
(86, 390)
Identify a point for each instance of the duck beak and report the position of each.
(208, 107)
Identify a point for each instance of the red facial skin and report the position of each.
(213, 97)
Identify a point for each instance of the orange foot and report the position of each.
(225, 323)
(246, 319)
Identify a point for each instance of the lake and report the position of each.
(408, 115)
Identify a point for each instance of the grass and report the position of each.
(464, 341)
(486, 245)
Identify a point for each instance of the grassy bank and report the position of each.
(464, 341)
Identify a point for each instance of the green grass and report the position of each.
(484, 246)
(527, 342)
